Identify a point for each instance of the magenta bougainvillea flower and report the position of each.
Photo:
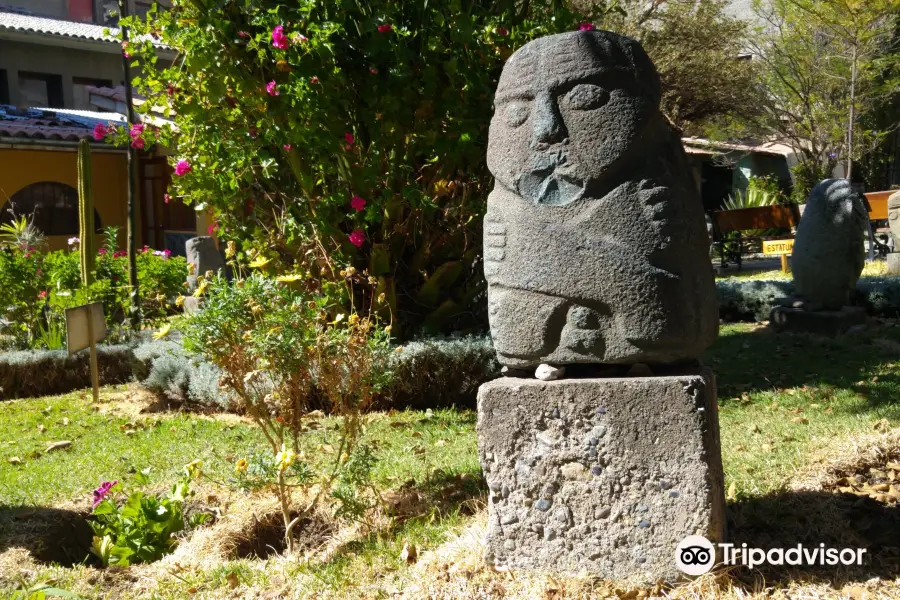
(287, 147)
(136, 130)
(314, 79)
(279, 40)
(43, 293)
(243, 35)
(272, 88)
(358, 237)
(348, 137)
(101, 251)
(385, 28)
(101, 492)
(100, 132)
(502, 31)
(183, 167)
(586, 27)
(138, 143)
(357, 203)
(166, 198)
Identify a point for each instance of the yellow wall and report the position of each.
(21, 167)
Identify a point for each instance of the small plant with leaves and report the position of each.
(140, 527)
(284, 350)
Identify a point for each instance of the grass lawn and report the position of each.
(786, 404)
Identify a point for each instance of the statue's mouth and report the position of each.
(552, 185)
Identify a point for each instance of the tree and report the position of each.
(700, 52)
(826, 64)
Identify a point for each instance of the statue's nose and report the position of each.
(548, 125)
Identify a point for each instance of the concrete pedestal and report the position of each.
(820, 322)
(600, 476)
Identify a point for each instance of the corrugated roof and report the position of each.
(52, 124)
(28, 23)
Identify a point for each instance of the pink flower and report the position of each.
(272, 88)
(167, 253)
(125, 52)
(373, 71)
(357, 203)
(243, 35)
(314, 79)
(145, 249)
(101, 251)
(166, 198)
(138, 143)
(586, 27)
(502, 31)
(170, 90)
(100, 132)
(101, 492)
(279, 40)
(287, 147)
(348, 137)
(212, 228)
(182, 168)
(136, 130)
(43, 293)
(358, 237)
(385, 28)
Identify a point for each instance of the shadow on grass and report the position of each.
(811, 518)
(762, 360)
(443, 493)
(51, 535)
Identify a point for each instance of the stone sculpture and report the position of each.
(596, 252)
(595, 242)
(829, 249)
(201, 251)
(894, 218)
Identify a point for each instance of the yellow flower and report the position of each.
(339, 318)
(259, 262)
(284, 459)
(240, 466)
(256, 309)
(179, 301)
(372, 280)
(163, 331)
(230, 249)
(194, 468)
(353, 319)
(351, 271)
(388, 329)
(381, 298)
(289, 278)
(201, 288)
(191, 267)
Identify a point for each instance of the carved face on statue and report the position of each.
(595, 243)
(569, 110)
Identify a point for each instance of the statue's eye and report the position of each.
(585, 96)
(516, 113)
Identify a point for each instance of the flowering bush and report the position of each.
(360, 126)
(283, 349)
(140, 527)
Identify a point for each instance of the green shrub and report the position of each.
(362, 130)
(278, 349)
(63, 270)
(439, 372)
(30, 373)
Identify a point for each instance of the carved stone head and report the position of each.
(893, 205)
(569, 110)
(595, 244)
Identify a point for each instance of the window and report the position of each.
(81, 96)
(41, 90)
(4, 87)
(52, 206)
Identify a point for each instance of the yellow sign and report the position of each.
(776, 247)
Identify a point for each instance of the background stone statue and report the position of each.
(596, 249)
(894, 218)
(829, 249)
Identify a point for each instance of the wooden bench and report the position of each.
(777, 216)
